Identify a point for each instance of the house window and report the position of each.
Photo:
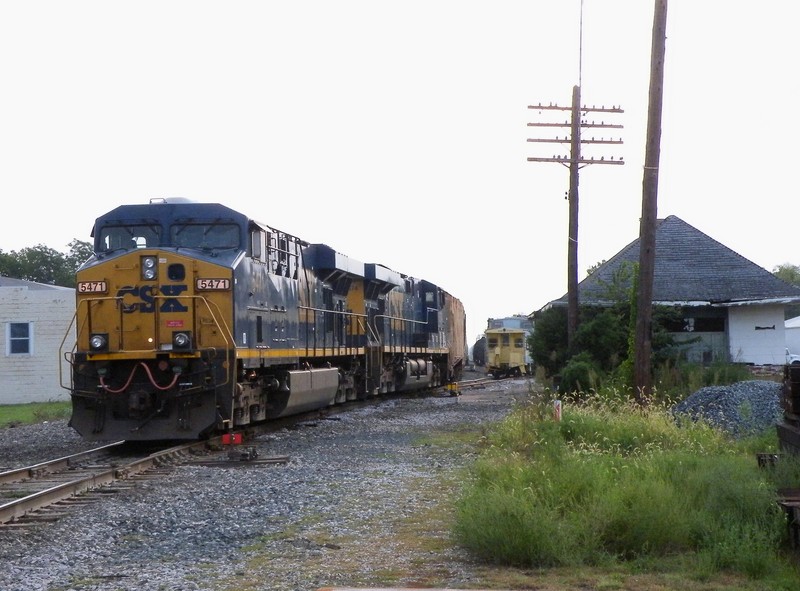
(19, 338)
(709, 324)
(698, 323)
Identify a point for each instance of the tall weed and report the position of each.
(620, 481)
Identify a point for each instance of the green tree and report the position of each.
(788, 272)
(594, 267)
(604, 340)
(603, 334)
(43, 264)
(10, 265)
(548, 342)
(79, 253)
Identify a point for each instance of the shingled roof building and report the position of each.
(732, 307)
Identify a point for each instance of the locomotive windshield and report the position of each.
(128, 237)
(205, 235)
(202, 236)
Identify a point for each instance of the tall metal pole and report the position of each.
(647, 238)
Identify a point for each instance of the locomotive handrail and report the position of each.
(63, 354)
(369, 330)
(227, 335)
(400, 318)
(342, 312)
(225, 331)
(345, 313)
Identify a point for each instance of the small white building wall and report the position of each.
(757, 334)
(35, 377)
(793, 335)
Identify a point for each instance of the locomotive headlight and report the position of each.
(181, 340)
(149, 269)
(98, 342)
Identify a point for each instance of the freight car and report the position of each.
(479, 352)
(789, 426)
(505, 352)
(193, 319)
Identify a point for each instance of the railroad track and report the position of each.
(476, 383)
(481, 382)
(44, 491)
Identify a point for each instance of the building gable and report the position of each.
(689, 267)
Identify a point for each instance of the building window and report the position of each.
(19, 338)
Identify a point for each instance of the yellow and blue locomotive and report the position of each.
(193, 319)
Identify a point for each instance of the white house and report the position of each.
(35, 319)
(732, 310)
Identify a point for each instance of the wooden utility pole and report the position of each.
(647, 229)
(575, 160)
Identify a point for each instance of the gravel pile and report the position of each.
(741, 409)
(331, 516)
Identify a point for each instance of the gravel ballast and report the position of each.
(328, 517)
(332, 516)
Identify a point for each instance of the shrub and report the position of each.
(617, 482)
(581, 374)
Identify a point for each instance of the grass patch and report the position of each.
(34, 412)
(619, 487)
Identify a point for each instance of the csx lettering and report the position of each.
(172, 304)
(146, 303)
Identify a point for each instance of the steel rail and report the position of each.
(50, 466)
(23, 507)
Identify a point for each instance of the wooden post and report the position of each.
(572, 238)
(647, 240)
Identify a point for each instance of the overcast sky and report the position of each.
(395, 132)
